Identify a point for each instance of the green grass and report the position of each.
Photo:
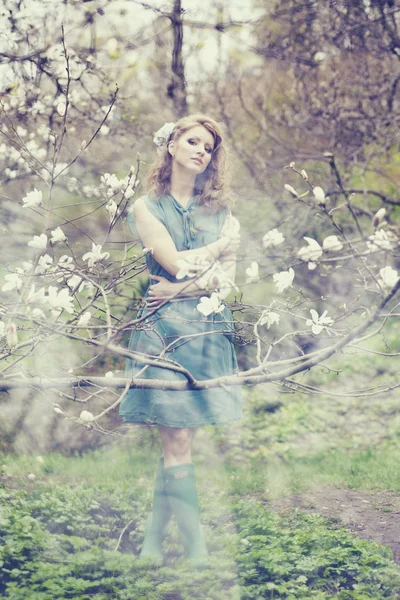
(59, 533)
(76, 530)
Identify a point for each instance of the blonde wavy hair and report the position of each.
(211, 187)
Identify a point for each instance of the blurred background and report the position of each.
(314, 83)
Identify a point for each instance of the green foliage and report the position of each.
(300, 556)
(59, 534)
(76, 532)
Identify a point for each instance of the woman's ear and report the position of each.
(171, 148)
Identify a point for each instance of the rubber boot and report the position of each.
(157, 521)
(180, 484)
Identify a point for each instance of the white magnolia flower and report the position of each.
(272, 239)
(381, 240)
(39, 242)
(109, 374)
(105, 130)
(13, 281)
(378, 217)
(21, 131)
(210, 276)
(84, 319)
(284, 279)
(332, 244)
(192, 266)
(96, 255)
(217, 279)
(231, 226)
(311, 266)
(389, 277)
(318, 323)
(252, 273)
(26, 267)
(291, 190)
(311, 252)
(128, 193)
(33, 199)
(44, 263)
(66, 262)
(60, 300)
(36, 297)
(58, 410)
(2, 329)
(61, 108)
(12, 335)
(57, 235)
(319, 56)
(60, 166)
(37, 313)
(304, 174)
(75, 281)
(111, 46)
(269, 317)
(112, 209)
(208, 305)
(319, 195)
(86, 416)
(223, 285)
(163, 134)
(111, 181)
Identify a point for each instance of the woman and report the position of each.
(185, 224)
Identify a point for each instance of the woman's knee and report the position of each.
(177, 441)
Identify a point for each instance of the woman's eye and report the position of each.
(193, 143)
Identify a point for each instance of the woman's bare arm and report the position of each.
(154, 235)
(163, 289)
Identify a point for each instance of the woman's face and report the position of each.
(193, 149)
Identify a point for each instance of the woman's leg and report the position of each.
(180, 485)
(177, 445)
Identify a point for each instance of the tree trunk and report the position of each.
(177, 87)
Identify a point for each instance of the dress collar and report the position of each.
(189, 229)
(180, 207)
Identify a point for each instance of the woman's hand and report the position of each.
(159, 292)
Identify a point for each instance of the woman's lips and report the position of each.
(198, 160)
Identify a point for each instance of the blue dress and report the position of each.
(171, 330)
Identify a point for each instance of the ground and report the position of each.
(370, 514)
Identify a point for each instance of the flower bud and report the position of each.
(12, 335)
(378, 217)
(86, 416)
(291, 190)
(304, 174)
(319, 196)
(61, 108)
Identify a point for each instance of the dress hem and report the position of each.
(150, 422)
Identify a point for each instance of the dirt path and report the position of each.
(370, 514)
